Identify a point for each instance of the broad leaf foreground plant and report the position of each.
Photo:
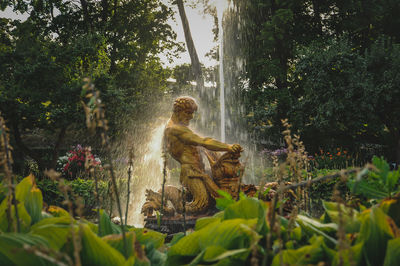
(235, 235)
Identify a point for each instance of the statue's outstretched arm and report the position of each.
(189, 137)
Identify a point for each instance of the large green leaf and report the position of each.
(55, 230)
(349, 256)
(315, 227)
(27, 192)
(228, 235)
(392, 257)
(224, 201)
(349, 216)
(106, 227)
(382, 167)
(204, 221)
(149, 237)
(132, 249)
(310, 254)
(392, 208)
(57, 211)
(24, 218)
(34, 204)
(248, 208)
(216, 253)
(16, 249)
(376, 230)
(96, 251)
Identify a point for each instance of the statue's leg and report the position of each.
(201, 197)
(210, 185)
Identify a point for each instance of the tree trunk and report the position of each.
(34, 155)
(104, 12)
(60, 138)
(317, 15)
(86, 17)
(196, 67)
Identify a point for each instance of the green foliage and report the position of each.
(323, 66)
(106, 227)
(232, 236)
(44, 59)
(379, 183)
(392, 256)
(376, 230)
(84, 188)
(223, 201)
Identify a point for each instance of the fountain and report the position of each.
(224, 169)
(185, 146)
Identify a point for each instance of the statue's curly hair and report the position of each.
(185, 103)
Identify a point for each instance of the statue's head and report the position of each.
(183, 109)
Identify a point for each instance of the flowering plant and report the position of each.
(77, 161)
(280, 153)
(334, 159)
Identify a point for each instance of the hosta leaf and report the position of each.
(149, 237)
(14, 249)
(310, 254)
(55, 230)
(392, 208)
(27, 192)
(349, 216)
(392, 257)
(248, 208)
(349, 256)
(314, 227)
(106, 227)
(34, 204)
(224, 201)
(204, 221)
(24, 218)
(376, 230)
(57, 211)
(96, 251)
(133, 249)
(216, 253)
(228, 234)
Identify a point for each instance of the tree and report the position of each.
(116, 43)
(273, 37)
(41, 85)
(348, 97)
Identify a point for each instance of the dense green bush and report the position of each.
(84, 188)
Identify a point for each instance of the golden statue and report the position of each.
(185, 146)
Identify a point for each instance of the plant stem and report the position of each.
(114, 183)
(9, 175)
(97, 198)
(184, 209)
(130, 168)
(163, 189)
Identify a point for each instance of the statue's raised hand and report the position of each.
(235, 148)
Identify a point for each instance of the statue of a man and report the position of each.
(183, 145)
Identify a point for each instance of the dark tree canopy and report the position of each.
(45, 58)
(283, 41)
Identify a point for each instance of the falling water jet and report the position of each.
(221, 7)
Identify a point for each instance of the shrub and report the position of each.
(84, 188)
